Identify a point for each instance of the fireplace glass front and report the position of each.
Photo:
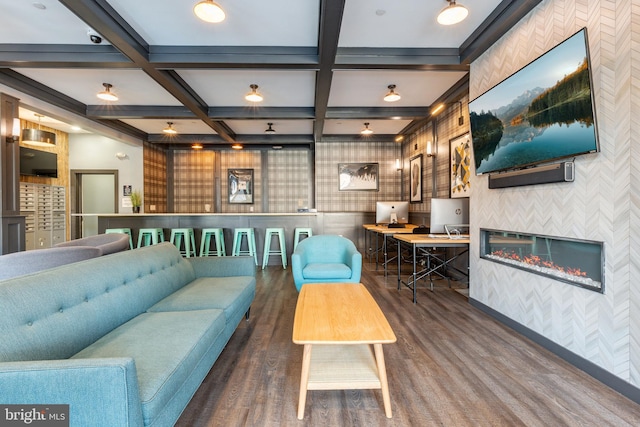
(577, 262)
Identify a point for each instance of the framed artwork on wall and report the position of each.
(358, 176)
(415, 179)
(460, 154)
(240, 185)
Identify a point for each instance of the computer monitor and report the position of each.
(448, 212)
(392, 212)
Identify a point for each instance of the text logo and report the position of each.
(34, 415)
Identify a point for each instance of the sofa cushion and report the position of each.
(326, 271)
(166, 348)
(232, 294)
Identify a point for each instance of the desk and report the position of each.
(419, 243)
(385, 231)
(341, 321)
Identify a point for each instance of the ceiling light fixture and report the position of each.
(452, 14)
(196, 146)
(366, 130)
(237, 146)
(209, 11)
(392, 96)
(437, 109)
(253, 95)
(38, 137)
(106, 94)
(270, 130)
(170, 130)
(399, 138)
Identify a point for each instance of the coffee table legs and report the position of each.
(304, 380)
(382, 373)
(382, 378)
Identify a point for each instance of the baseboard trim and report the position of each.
(621, 386)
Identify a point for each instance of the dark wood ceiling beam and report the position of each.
(105, 20)
(331, 12)
(358, 138)
(373, 113)
(396, 58)
(61, 56)
(502, 19)
(277, 139)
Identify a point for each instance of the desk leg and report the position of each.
(304, 380)
(399, 267)
(382, 373)
(415, 275)
(384, 249)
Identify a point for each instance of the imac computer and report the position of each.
(392, 212)
(448, 212)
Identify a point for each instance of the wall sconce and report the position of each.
(121, 156)
(14, 136)
(398, 165)
(430, 152)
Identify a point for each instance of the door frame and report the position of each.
(75, 186)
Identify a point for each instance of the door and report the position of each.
(93, 192)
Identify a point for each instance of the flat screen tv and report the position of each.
(38, 163)
(541, 113)
(392, 212)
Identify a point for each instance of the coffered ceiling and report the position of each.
(323, 66)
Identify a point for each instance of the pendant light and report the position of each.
(209, 11)
(38, 137)
(106, 94)
(270, 130)
(170, 130)
(253, 95)
(452, 14)
(366, 130)
(391, 96)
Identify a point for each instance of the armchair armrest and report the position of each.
(354, 261)
(99, 392)
(225, 266)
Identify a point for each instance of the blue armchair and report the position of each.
(326, 258)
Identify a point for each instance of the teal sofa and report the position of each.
(326, 258)
(124, 339)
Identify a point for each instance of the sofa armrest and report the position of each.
(355, 263)
(225, 266)
(99, 392)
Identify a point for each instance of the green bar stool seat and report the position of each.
(282, 251)
(150, 236)
(298, 233)
(238, 235)
(186, 236)
(123, 231)
(205, 242)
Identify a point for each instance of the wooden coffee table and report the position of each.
(338, 323)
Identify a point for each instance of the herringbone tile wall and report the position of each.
(602, 204)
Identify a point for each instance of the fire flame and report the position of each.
(535, 260)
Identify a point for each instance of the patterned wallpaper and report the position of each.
(290, 180)
(155, 178)
(193, 180)
(600, 205)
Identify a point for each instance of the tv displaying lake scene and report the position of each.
(543, 112)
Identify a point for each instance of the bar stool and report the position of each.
(299, 232)
(205, 242)
(123, 231)
(269, 233)
(150, 236)
(238, 234)
(179, 235)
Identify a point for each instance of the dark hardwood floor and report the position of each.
(452, 366)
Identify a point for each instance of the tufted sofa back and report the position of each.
(54, 314)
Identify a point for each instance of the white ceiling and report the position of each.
(323, 66)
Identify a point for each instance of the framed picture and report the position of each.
(460, 153)
(358, 176)
(415, 179)
(241, 186)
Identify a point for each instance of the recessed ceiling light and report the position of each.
(106, 94)
(76, 128)
(209, 11)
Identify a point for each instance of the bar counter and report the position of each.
(347, 224)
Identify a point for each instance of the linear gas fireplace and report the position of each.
(577, 262)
